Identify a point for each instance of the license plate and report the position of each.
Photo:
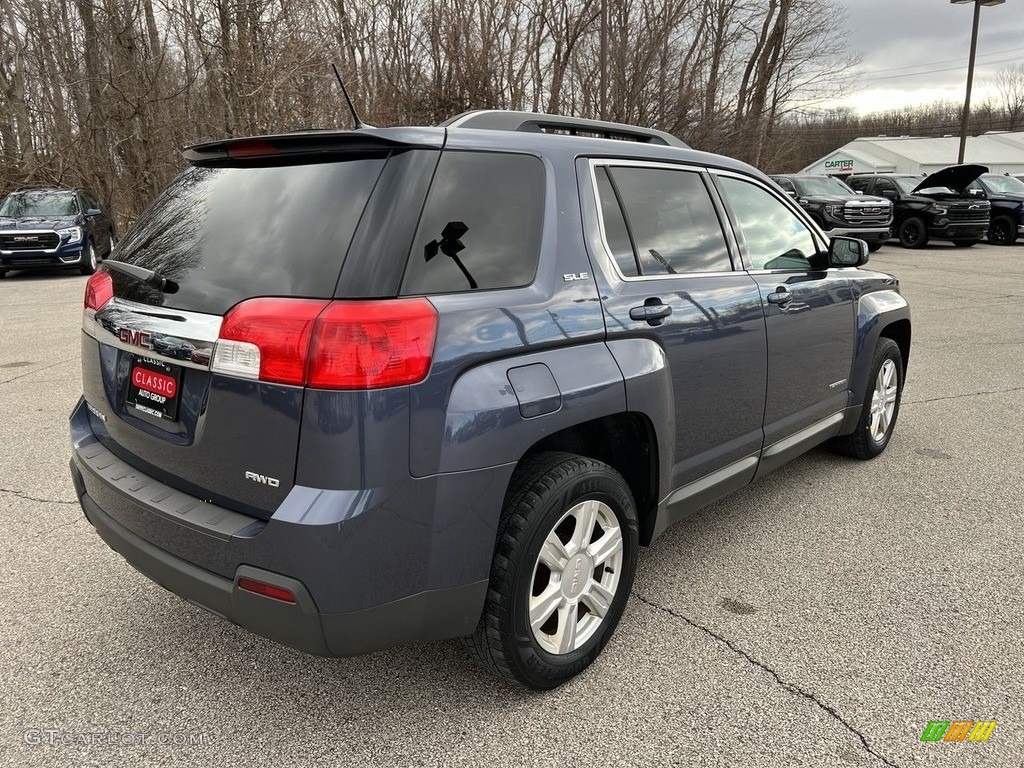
(153, 387)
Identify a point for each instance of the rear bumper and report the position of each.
(365, 576)
(430, 615)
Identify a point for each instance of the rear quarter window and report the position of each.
(481, 225)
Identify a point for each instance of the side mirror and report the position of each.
(847, 252)
(888, 193)
(976, 192)
(93, 212)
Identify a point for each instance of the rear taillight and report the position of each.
(99, 290)
(328, 345)
(267, 339)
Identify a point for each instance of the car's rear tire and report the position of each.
(563, 568)
(3, 274)
(881, 405)
(913, 233)
(874, 246)
(88, 259)
(965, 243)
(1002, 231)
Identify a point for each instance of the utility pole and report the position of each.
(970, 69)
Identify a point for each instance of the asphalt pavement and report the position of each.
(821, 617)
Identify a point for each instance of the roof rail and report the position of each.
(535, 122)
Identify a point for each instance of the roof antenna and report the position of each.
(355, 115)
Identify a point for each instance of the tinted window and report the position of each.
(615, 233)
(858, 184)
(490, 204)
(227, 234)
(774, 235)
(673, 222)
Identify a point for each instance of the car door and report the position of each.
(809, 314)
(664, 263)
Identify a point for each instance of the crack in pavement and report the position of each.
(966, 394)
(26, 497)
(65, 524)
(37, 370)
(791, 687)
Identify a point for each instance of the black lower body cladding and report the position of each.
(369, 568)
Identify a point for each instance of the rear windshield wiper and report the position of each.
(147, 276)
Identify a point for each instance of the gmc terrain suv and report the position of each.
(41, 228)
(838, 210)
(1006, 194)
(458, 375)
(931, 207)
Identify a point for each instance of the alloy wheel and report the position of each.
(883, 400)
(575, 577)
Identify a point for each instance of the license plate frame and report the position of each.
(147, 376)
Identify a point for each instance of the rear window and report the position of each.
(228, 234)
(481, 226)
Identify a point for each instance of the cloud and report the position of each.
(915, 51)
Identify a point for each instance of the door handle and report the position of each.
(653, 312)
(782, 296)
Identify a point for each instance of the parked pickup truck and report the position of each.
(936, 207)
(1006, 194)
(838, 210)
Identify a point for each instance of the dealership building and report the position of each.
(1002, 152)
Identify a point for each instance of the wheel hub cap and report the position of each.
(883, 400)
(576, 577)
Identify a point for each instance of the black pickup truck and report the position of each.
(1006, 194)
(838, 210)
(936, 207)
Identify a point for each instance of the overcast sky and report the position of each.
(917, 50)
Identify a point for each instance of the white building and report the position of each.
(1001, 152)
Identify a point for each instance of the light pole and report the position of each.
(970, 68)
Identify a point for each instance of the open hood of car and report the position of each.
(955, 177)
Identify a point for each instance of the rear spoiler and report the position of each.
(312, 143)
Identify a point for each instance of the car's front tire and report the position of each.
(88, 259)
(1002, 231)
(881, 405)
(913, 233)
(874, 246)
(964, 243)
(563, 568)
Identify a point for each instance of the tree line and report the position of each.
(105, 93)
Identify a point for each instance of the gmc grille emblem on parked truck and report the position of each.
(273, 482)
(135, 338)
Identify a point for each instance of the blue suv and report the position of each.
(61, 228)
(353, 389)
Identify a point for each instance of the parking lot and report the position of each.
(821, 617)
